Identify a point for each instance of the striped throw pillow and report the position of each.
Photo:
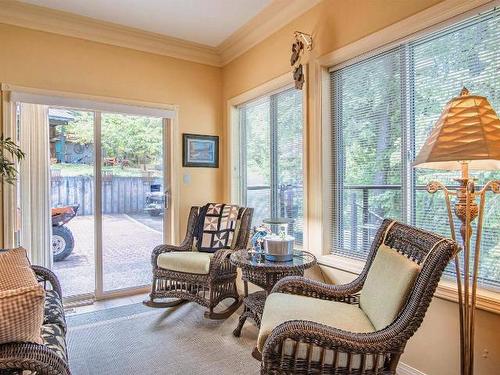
(21, 299)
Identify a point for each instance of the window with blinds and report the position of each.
(271, 131)
(383, 108)
(367, 132)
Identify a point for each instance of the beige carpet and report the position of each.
(136, 339)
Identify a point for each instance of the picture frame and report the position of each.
(200, 151)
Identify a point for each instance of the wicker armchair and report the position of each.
(42, 359)
(308, 347)
(205, 288)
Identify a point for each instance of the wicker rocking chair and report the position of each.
(204, 278)
(309, 327)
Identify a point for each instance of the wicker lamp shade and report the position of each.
(468, 130)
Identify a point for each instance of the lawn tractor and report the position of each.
(63, 241)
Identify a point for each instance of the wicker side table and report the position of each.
(264, 274)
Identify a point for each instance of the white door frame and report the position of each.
(105, 104)
(9, 192)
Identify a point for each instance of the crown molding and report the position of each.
(269, 20)
(272, 18)
(68, 24)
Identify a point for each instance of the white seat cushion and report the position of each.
(185, 261)
(387, 285)
(282, 307)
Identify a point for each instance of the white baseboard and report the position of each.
(404, 369)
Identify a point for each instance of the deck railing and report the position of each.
(364, 218)
(370, 219)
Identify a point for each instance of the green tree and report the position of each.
(134, 138)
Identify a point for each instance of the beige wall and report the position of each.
(334, 24)
(49, 61)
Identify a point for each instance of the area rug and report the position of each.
(136, 339)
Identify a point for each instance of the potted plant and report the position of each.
(8, 172)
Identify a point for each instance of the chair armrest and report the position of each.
(379, 343)
(45, 275)
(32, 357)
(219, 264)
(312, 288)
(185, 245)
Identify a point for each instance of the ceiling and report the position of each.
(208, 22)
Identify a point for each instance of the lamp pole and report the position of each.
(467, 210)
(468, 133)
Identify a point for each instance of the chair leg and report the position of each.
(237, 330)
(256, 354)
(210, 314)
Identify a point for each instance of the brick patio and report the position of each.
(127, 245)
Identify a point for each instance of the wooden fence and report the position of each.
(119, 194)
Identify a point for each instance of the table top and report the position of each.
(301, 261)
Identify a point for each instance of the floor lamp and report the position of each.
(466, 137)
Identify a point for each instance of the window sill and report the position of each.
(486, 299)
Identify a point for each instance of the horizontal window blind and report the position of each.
(271, 131)
(289, 160)
(256, 157)
(367, 130)
(383, 109)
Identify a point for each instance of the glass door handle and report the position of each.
(166, 197)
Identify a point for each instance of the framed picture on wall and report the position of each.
(200, 151)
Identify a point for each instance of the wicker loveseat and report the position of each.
(49, 358)
(309, 327)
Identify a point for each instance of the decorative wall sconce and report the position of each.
(302, 41)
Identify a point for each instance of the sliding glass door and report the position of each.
(107, 190)
(132, 195)
(72, 194)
